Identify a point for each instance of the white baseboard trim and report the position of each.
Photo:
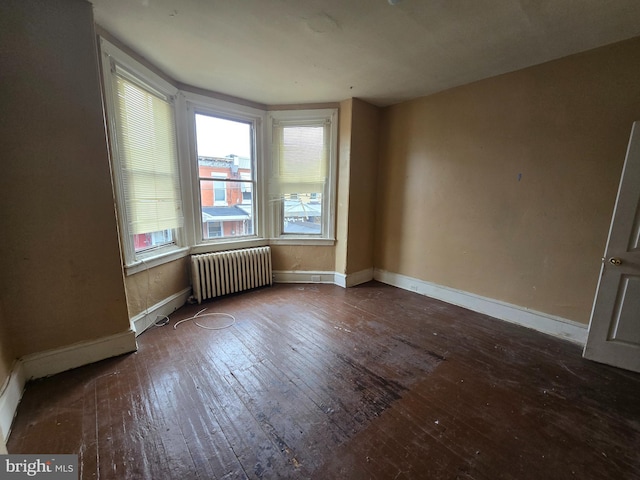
(50, 362)
(9, 399)
(357, 278)
(145, 319)
(340, 279)
(299, 276)
(542, 322)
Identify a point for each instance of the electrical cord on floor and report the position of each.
(162, 322)
(197, 315)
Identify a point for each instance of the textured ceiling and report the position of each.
(306, 51)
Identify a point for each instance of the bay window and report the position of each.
(194, 174)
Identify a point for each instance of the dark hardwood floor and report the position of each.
(315, 381)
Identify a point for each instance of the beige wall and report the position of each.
(342, 195)
(303, 258)
(146, 288)
(61, 280)
(362, 185)
(357, 173)
(505, 187)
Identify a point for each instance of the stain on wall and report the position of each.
(303, 258)
(146, 288)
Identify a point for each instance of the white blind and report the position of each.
(147, 147)
(301, 158)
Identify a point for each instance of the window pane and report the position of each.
(227, 142)
(302, 213)
(234, 217)
(214, 229)
(219, 192)
(227, 182)
(148, 241)
(303, 154)
(147, 158)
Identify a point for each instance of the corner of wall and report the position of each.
(342, 200)
(10, 397)
(54, 361)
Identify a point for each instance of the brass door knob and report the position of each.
(615, 261)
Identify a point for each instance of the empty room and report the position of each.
(331, 239)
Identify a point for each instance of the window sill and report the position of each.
(228, 245)
(156, 260)
(302, 241)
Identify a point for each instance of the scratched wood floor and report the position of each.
(315, 381)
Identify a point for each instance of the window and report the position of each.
(302, 181)
(148, 241)
(246, 187)
(224, 150)
(145, 158)
(219, 189)
(214, 229)
(194, 174)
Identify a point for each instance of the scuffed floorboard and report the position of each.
(320, 382)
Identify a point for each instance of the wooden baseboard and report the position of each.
(50, 362)
(542, 322)
(340, 279)
(357, 278)
(9, 399)
(300, 276)
(145, 319)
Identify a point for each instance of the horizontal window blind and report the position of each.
(301, 158)
(147, 145)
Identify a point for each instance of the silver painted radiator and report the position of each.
(221, 273)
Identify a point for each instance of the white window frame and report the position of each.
(305, 117)
(200, 104)
(112, 57)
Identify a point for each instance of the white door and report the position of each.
(614, 331)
